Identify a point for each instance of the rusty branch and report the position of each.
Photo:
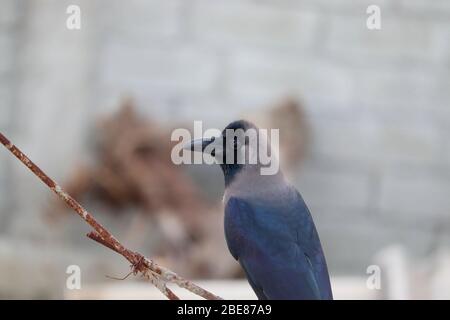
(138, 267)
(94, 236)
(157, 275)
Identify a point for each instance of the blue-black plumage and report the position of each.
(268, 227)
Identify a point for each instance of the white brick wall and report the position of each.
(160, 71)
(141, 20)
(337, 190)
(377, 143)
(416, 197)
(226, 24)
(397, 41)
(435, 7)
(346, 237)
(398, 88)
(259, 78)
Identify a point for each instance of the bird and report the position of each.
(268, 227)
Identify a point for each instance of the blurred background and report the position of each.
(364, 118)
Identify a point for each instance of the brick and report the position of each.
(207, 108)
(416, 196)
(435, 7)
(264, 77)
(179, 110)
(399, 40)
(410, 144)
(144, 69)
(375, 143)
(394, 87)
(141, 20)
(251, 24)
(348, 236)
(334, 189)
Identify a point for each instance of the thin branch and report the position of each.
(94, 236)
(156, 274)
(161, 285)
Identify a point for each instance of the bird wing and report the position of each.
(278, 265)
(313, 245)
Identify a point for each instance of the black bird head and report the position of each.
(232, 149)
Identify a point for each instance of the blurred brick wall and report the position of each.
(378, 101)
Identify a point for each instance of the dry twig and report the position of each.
(157, 275)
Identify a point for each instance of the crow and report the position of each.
(269, 229)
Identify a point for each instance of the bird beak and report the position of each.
(198, 145)
(206, 145)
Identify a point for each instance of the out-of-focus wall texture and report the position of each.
(377, 171)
